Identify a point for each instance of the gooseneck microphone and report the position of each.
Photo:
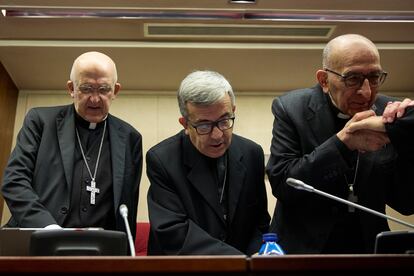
(300, 185)
(123, 210)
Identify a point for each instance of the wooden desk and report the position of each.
(390, 265)
(191, 265)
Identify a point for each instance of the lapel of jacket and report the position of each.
(117, 139)
(320, 116)
(65, 126)
(237, 176)
(200, 176)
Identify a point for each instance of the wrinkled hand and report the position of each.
(374, 123)
(362, 139)
(395, 110)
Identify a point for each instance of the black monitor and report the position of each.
(395, 242)
(78, 242)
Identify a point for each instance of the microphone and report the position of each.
(300, 185)
(123, 210)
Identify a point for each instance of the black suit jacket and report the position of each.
(401, 132)
(183, 201)
(38, 178)
(305, 147)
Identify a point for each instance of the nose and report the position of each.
(95, 97)
(216, 133)
(365, 90)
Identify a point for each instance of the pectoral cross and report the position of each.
(93, 191)
(352, 197)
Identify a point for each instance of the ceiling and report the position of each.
(266, 47)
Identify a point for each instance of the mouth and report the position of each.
(217, 145)
(94, 108)
(359, 105)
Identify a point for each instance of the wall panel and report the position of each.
(8, 103)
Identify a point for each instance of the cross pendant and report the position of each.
(353, 198)
(93, 191)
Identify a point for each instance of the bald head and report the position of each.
(344, 47)
(93, 85)
(91, 63)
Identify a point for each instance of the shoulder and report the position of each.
(245, 144)
(168, 151)
(49, 113)
(299, 97)
(171, 144)
(48, 110)
(125, 126)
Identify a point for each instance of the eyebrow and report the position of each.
(227, 114)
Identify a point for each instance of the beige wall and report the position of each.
(155, 115)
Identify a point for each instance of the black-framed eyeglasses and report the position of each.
(355, 80)
(89, 89)
(207, 127)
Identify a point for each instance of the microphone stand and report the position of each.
(123, 210)
(300, 185)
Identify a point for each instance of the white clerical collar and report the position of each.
(93, 125)
(340, 115)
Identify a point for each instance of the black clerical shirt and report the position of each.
(82, 213)
(346, 235)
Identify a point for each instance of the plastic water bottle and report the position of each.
(270, 245)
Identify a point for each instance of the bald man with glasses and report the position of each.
(311, 143)
(74, 165)
(207, 194)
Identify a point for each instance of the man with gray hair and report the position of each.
(207, 194)
(74, 165)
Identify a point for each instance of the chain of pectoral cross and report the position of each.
(92, 188)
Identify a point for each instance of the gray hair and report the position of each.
(203, 88)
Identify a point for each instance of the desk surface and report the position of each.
(211, 265)
(120, 265)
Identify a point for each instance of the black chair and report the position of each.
(395, 242)
(78, 242)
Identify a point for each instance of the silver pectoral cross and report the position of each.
(93, 191)
(352, 197)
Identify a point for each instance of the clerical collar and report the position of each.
(335, 109)
(88, 125)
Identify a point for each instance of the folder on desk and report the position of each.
(15, 241)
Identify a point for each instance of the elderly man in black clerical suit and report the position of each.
(207, 194)
(311, 142)
(74, 165)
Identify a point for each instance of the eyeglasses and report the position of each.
(207, 128)
(89, 89)
(355, 80)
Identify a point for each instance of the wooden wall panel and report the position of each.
(8, 105)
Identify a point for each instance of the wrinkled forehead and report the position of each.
(94, 71)
(356, 53)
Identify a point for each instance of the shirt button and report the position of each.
(64, 210)
(88, 158)
(84, 209)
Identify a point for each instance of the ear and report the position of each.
(183, 122)
(117, 88)
(322, 77)
(71, 88)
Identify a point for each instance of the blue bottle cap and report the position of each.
(270, 237)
